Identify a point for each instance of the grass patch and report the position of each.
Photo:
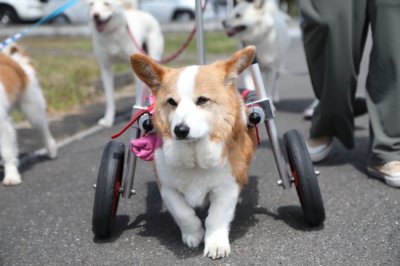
(67, 68)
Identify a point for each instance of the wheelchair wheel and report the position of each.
(108, 189)
(305, 178)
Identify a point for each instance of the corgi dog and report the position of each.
(262, 24)
(207, 145)
(20, 87)
(112, 27)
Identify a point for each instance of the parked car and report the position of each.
(76, 14)
(174, 10)
(15, 11)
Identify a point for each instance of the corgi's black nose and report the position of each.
(181, 131)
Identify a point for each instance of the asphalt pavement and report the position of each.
(47, 219)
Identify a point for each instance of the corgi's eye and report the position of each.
(202, 100)
(171, 102)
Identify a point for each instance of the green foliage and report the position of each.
(67, 68)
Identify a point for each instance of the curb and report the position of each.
(70, 128)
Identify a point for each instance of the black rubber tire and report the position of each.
(8, 16)
(61, 19)
(183, 15)
(107, 192)
(305, 178)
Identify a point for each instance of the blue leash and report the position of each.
(50, 16)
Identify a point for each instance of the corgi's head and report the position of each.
(195, 102)
(102, 11)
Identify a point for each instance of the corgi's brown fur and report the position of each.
(207, 145)
(12, 77)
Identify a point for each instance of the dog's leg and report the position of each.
(275, 91)
(9, 150)
(220, 214)
(269, 78)
(185, 216)
(33, 105)
(108, 85)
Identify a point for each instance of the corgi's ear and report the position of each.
(149, 71)
(239, 62)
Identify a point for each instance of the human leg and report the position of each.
(334, 35)
(383, 91)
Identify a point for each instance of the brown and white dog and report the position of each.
(207, 145)
(19, 87)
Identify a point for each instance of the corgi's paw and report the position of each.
(217, 245)
(12, 180)
(106, 122)
(193, 240)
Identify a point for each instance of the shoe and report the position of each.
(309, 111)
(319, 148)
(389, 172)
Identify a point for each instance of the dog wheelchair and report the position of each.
(116, 175)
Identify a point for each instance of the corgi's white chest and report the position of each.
(193, 171)
(203, 154)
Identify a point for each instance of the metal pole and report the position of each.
(271, 126)
(200, 33)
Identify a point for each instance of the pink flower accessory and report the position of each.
(145, 146)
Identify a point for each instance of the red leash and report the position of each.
(174, 55)
(133, 120)
(170, 57)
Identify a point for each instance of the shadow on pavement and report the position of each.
(26, 162)
(155, 222)
(120, 223)
(249, 207)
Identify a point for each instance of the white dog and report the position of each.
(111, 26)
(19, 87)
(207, 145)
(262, 24)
